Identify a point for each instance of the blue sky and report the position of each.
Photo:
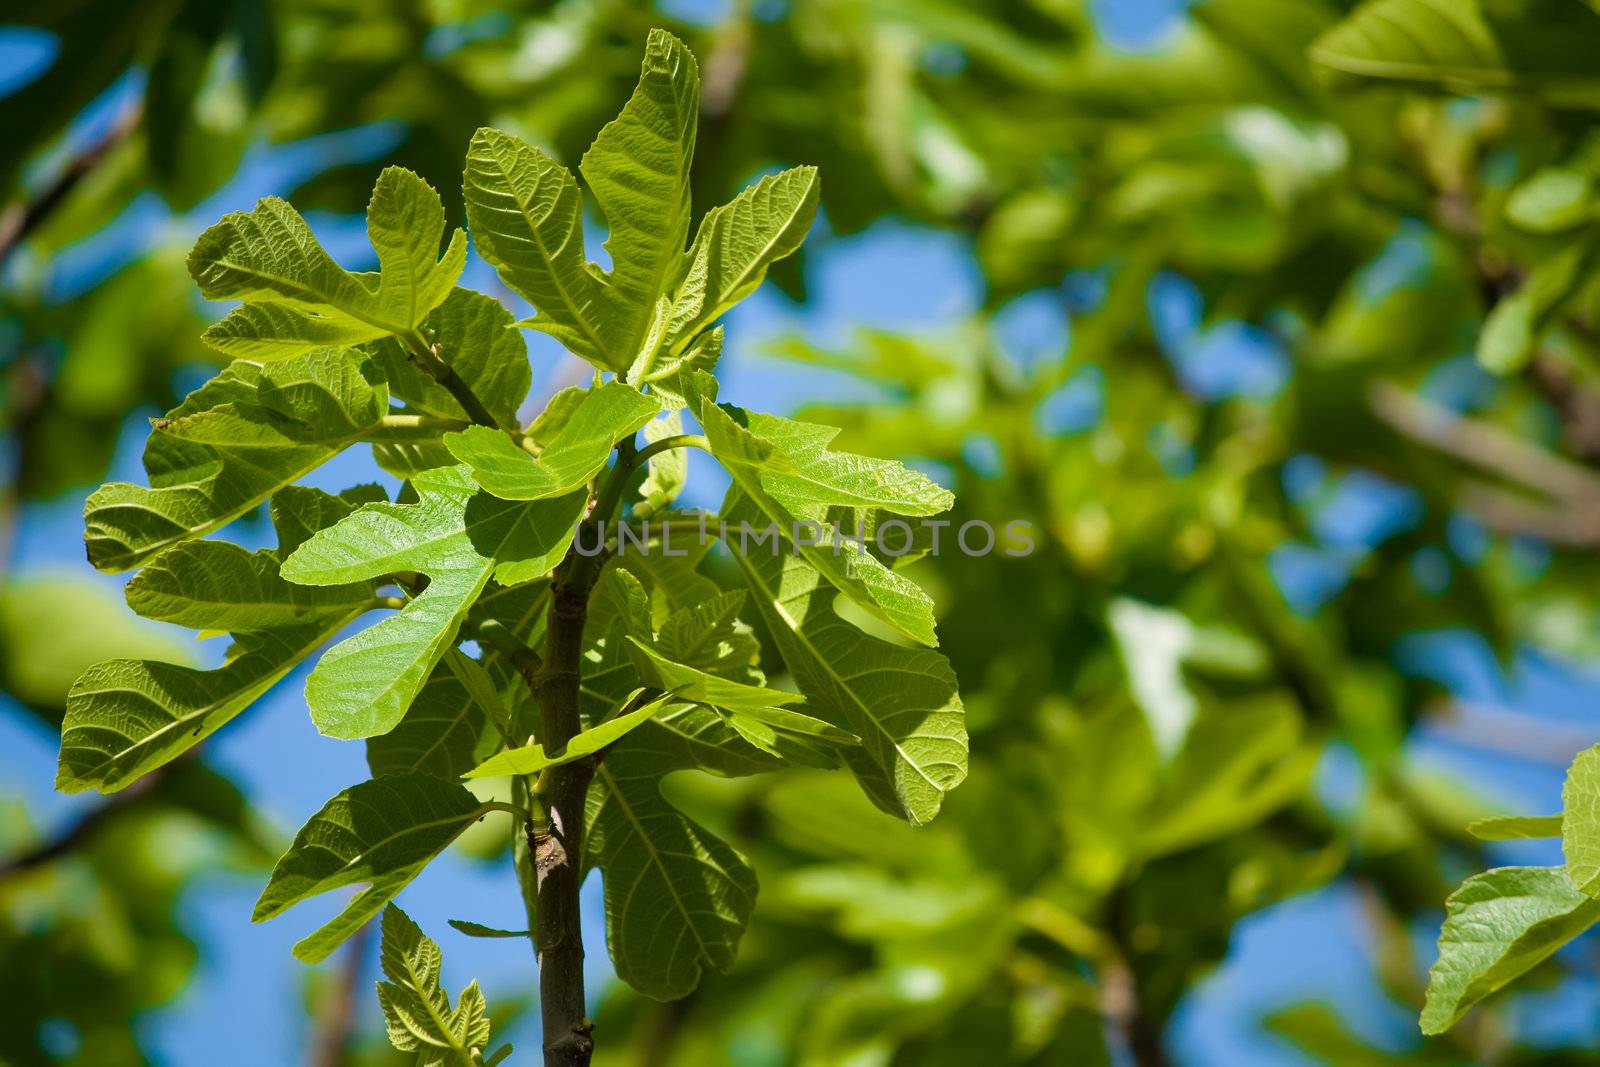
(246, 996)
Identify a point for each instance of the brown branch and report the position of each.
(1575, 525)
(1578, 404)
(331, 1043)
(556, 848)
(21, 219)
(1121, 1000)
(1483, 445)
(88, 826)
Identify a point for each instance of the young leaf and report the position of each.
(297, 298)
(531, 759)
(526, 218)
(901, 702)
(687, 683)
(383, 832)
(415, 1007)
(196, 487)
(574, 454)
(733, 248)
(1499, 925)
(785, 470)
(638, 170)
(707, 635)
(1515, 827)
(455, 535)
(1580, 823)
(667, 471)
(443, 729)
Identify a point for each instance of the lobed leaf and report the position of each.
(197, 486)
(125, 717)
(792, 481)
(456, 536)
(901, 702)
(638, 171)
(733, 248)
(677, 898)
(383, 832)
(297, 298)
(416, 1008)
(526, 218)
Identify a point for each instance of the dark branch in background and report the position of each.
(725, 69)
(1567, 507)
(1579, 404)
(662, 1031)
(331, 1043)
(23, 218)
(88, 825)
(27, 388)
(1121, 999)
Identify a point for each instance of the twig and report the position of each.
(22, 219)
(429, 362)
(87, 826)
(1483, 445)
(331, 1043)
(1121, 999)
(1578, 404)
(1576, 525)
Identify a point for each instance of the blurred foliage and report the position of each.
(1362, 196)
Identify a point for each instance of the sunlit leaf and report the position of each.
(901, 702)
(1499, 925)
(296, 296)
(571, 456)
(638, 171)
(458, 537)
